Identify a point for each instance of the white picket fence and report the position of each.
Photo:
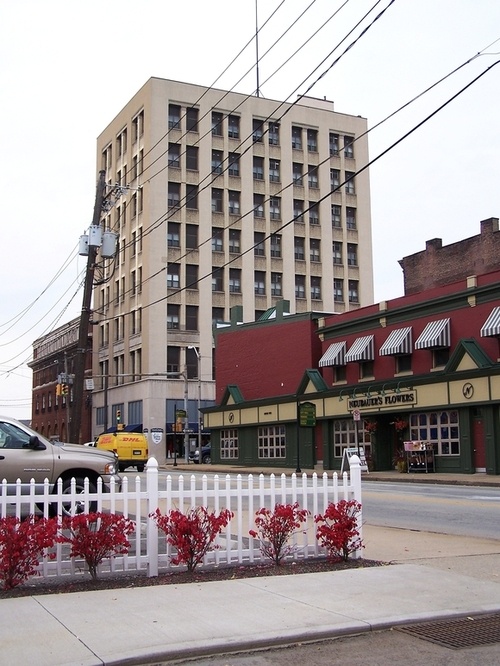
(243, 495)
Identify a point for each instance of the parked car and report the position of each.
(26, 455)
(206, 454)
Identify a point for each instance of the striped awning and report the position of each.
(435, 334)
(334, 355)
(491, 326)
(361, 350)
(398, 342)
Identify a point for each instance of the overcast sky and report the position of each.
(68, 68)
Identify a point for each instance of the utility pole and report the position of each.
(81, 352)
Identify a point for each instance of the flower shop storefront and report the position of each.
(458, 421)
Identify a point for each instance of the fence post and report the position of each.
(355, 479)
(151, 527)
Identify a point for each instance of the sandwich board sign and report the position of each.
(351, 451)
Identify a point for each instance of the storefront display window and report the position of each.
(439, 429)
(344, 435)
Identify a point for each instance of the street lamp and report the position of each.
(199, 400)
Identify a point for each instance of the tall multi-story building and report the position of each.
(230, 200)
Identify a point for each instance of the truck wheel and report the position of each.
(140, 468)
(79, 504)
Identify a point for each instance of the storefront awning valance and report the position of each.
(398, 342)
(435, 334)
(491, 326)
(334, 355)
(361, 350)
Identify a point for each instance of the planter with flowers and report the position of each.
(399, 460)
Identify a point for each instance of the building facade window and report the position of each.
(349, 146)
(192, 158)
(274, 171)
(274, 134)
(271, 442)
(312, 140)
(234, 241)
(349, 185)
(297, 170)
(192, 236)
(235, 280)
(174, 116)
(234, 202)
(258, 205)
(338, 290)
(192, 318)
(191, 276)
(174, 195)
(192, 197)
(350, 218)
(403, 363)
(174, 155)
(217, 279)
(259, 249)
(234, 164)
(312, 176)
(173, 317)
(217, 316)
(217, 240)
(217, 206)
(315, 287)
(352, 254)
(260, 283)
(313, 212)
(299, 248)
(173, 359)
(334, 144)
(275, 245)
(334, 179)
(315, 249)
(217, 118)
(233, 127)
(353, 291)
(336, 216)
(229, 444)
(173, 276)
(258, 129)
(298, 210)
(217, 159)
(191, 119)
(297, 138)
(300, 286)
(258, 168)
(275, 208)
(173, 234)
(441, 429)
(276, 284)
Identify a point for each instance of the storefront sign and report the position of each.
(307, 414)
(389, 400)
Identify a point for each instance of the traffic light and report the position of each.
(64, 389)
(118, 416)
(59, 389)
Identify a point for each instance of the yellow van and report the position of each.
(130, 447)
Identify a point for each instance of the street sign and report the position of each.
(356, 415)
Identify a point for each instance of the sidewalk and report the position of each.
(142, 625)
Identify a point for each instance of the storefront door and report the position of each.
(478, 443)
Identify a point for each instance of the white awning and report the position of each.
(334, 355)
(435, 334)
(491, 326)
(398, 342)
(361, 350)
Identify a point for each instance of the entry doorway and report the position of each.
(478, 442)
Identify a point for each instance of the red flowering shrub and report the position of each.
(192, 534)
(22, 545)
(338, 529)
(94, 536)
(275, 529)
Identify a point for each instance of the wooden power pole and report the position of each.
(83, 334)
